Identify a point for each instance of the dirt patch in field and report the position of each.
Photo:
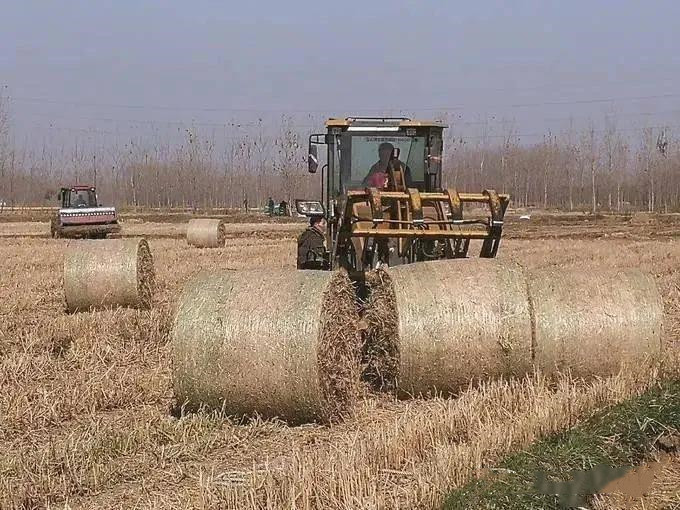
(654, 485)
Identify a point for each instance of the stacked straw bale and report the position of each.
(591, 322)
(274, 344)
(206, 233)
(448, 323)
(108, 273)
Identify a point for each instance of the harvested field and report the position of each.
(86, 399)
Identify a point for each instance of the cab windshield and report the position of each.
(82, 198)
(362, 155)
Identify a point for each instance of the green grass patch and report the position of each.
(618, 437)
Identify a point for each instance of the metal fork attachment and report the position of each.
(428, 216)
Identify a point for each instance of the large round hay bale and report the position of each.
(108, 273)
(591, 321)
(271, 343)
(643, 218)
(434, 327)
(206, 233)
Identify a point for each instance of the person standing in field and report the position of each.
(312, 245)
(283, 208)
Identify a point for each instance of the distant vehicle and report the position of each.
(281, 209)
(81, 215)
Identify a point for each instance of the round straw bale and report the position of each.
(642, 218)
(269, 343)
(206, 233)
(590, 321)
(108, 273)
(448, 323)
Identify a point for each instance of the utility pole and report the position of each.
(94, 169)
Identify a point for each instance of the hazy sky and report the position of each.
(108, 66)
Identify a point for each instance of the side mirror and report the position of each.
(312, 159)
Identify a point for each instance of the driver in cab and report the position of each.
(80, 200)
(377, 175)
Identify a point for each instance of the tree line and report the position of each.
(590, 170)
(606, 170)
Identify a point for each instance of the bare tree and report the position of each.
(622, 152)
(548, 150)
(589, 145)
(261, 146)
(290, 157)
(609, 145)
(4, 143)
(483, 150)
(649, 166)
(509, 143)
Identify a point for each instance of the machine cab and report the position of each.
(78, 197)
(364, 147)
(360, 148)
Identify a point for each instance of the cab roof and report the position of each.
(383, 121)
(79, 187)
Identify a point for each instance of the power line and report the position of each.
(295, 110)
(181, 123)
(563, 132)
(593, 101)
(615, 116)
(489, 121)
(169, 108)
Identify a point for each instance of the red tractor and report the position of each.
(81, 215)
